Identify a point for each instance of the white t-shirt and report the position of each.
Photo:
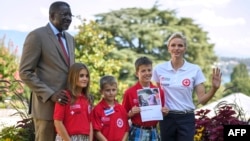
(178, 85)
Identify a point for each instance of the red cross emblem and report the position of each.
(186, 82)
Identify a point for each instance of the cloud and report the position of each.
(44, 12)
(23, 27)
(236, 44)
(236, 47)
(210, 18)
(203, 3)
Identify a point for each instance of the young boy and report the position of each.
(139, 130)
(109, 118)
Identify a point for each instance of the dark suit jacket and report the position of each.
(43, 68)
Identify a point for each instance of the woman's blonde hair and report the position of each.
(177, 35)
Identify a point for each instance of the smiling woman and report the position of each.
(179, 78)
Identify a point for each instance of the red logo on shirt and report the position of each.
(105, 119)
(186, 82)
(119, 123)
(135, 101)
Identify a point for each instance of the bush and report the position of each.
(8, 63)
(211, 129)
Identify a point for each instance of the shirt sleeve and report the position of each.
(200, 78)
(96, 119)
(154, 76)
(126, 101)
(59, 112)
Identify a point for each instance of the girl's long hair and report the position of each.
(73, 78)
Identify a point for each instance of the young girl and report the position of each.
(72, 121)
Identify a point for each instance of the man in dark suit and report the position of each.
(44, 67)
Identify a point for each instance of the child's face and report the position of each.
(83, 79)
(144, 74)
(109, 92)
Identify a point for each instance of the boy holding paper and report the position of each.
(140, 130)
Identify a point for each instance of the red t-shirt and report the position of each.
(112, 123)
(130, 99)
(75, 117)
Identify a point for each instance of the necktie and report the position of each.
(59, 35)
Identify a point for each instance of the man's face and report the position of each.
(62, 18)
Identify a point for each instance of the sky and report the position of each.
(226, 21)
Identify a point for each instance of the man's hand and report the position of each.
(60, 97)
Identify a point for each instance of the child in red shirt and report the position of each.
(109, 118)
(72, 121)
(139, 130)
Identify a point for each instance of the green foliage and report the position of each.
(142, 30)
(13, 133)
(8, 60)
(239, 80)
(10, 134)
(9, 70)
(239, 71)
(93, 50)
(147, 30)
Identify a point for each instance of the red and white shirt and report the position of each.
(75, 117)
(130, 99)
(178, 85)
(112, 122)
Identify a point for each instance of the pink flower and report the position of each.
(16, 75)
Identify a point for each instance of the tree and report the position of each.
(93, 50)
(239, 80)
(239, 71)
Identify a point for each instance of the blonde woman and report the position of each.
(178, 78)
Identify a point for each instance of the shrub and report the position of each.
(8, 62)
(211, 129)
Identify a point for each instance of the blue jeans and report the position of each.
(139, 134)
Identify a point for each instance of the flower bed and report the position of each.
(211, 128)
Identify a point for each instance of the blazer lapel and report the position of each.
(57, 44)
